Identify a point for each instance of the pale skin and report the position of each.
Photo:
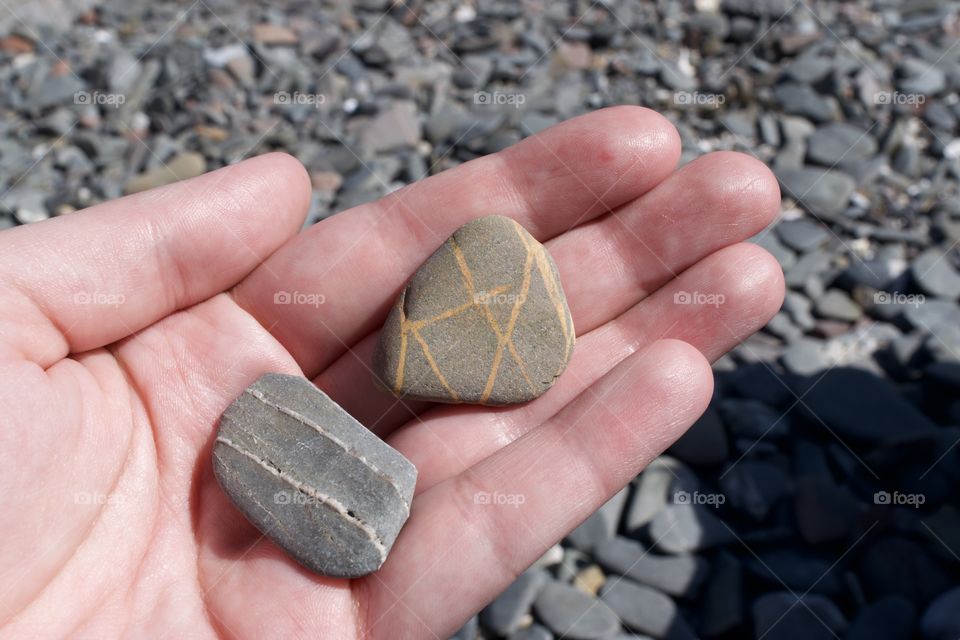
(127, 328)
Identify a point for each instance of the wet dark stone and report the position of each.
(860, 406)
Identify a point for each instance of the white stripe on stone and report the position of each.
(329, 501)
(259, 395)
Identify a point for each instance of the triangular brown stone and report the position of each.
(484, 320)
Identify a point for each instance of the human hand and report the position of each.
(126, 329)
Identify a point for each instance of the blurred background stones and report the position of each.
(817, 497)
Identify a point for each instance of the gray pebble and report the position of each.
(931, 315)
(806, 357)
(907, 159)
(534, 123)
(504, 615)
(808, 69)
(876, 273)
(919, 77)
(571, 613)
(28, 205)
(533, 632)
(803, 235)
(802, 100)
(54, 89)
(656, 488)
(799, 307)
(591, 532)
(782, 326)
(645, 610)
(943, 345)
(824, 192)
(809, 268)
(837, 143)
(484, 321)
(676, 575)
(311, 478)
(837, 305)
(770, 130)
(939, 116)
(769, 241)
(673, 78)
(758, 9)
(686, 528)
(394, 128)
(933, 272)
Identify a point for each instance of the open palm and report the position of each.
(126, 329)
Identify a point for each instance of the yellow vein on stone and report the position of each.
(401, 361)
(449, 313)
(325, 499)
(433, 365)
(407, 325)
(467, 277)
(543, 266)
(514, 314)
(523, 298)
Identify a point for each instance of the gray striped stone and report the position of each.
(311, 478)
